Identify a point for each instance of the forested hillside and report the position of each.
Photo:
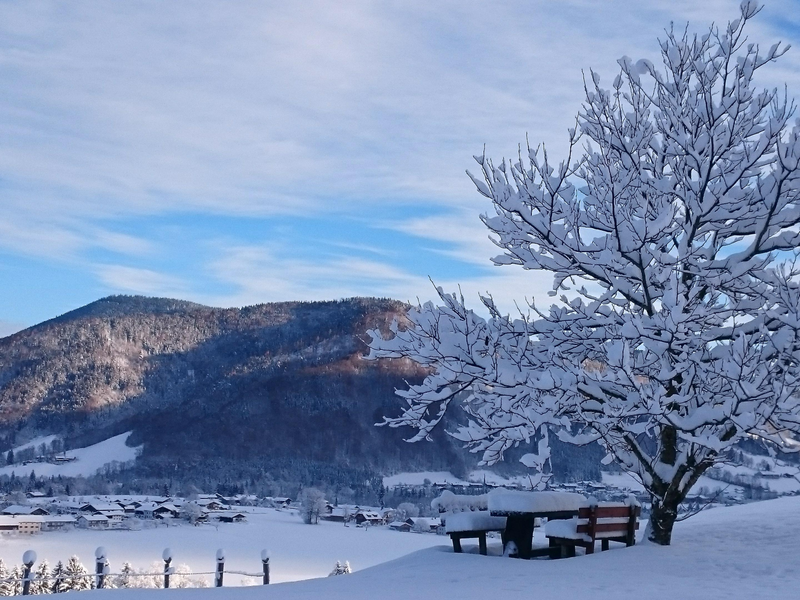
(273, 393)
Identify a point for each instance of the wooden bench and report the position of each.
(471, 525)
(611, 522)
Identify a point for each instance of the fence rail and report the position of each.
(102, 572)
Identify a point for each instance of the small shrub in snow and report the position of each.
(341, 569)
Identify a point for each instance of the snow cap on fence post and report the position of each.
(220, 554)
(265, 554)
(28, 558)
(100, 566)
(167, 556)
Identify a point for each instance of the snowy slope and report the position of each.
(739, 553)
(88, 460)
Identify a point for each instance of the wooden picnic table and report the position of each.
(521, 510)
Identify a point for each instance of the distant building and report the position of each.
(369, 517)
(232, 518)
(56, 522)
(93, 522)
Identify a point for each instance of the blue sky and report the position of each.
(242, 152)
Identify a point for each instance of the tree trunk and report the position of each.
(662, 520)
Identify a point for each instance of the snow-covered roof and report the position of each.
(369, 515)
(18, 509)
(100, 506)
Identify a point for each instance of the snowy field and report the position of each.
(298, 551)
(739, 553)
(87, 461)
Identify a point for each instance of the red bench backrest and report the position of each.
(625, 527)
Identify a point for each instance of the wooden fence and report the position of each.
(102, 572)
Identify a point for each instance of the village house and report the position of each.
(8, 524)
(56, 522)
(93, 522)
(232, 518)
(30, 524)
(211, 504)
(368, 517)
(404, 526)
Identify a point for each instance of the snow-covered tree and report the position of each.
(58, 583)
(125, 579)
(182, 578)
(312, 505)
(15, 585)
(405, 510)
(5, 586)
(672, 237)
(76, 577)
(40, 583)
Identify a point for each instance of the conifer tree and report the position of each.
(15, 585)
(58, 582)
(5, 586)
(125, 577)
(40, 584)
(77, 577)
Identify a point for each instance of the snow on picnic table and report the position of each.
(511, 501)
(740, 553)
(474, 521)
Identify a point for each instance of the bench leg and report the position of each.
(457, 544)
(590, 548)
(555, 548)
(604, 545)
(482, 544)
(570, 551)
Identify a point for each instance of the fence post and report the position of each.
(27, 559)
(99, 567)
(167, 556)
(265, 563)
(220, 567)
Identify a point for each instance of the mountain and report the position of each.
(274, 392)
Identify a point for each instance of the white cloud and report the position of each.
(132, 280)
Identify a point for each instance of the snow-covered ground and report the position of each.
(87, 461)
(737, 553)
(298, 551)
